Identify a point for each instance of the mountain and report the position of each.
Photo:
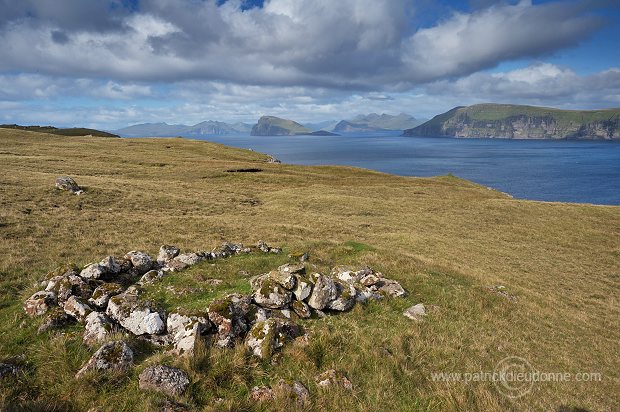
(201, 129)
(275, 126)
(374, 122)
(324, 125)
(521, 122)
(71, 131)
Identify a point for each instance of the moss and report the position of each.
(221, 307)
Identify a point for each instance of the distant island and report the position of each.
(207, 128)
(276, 126)
(508, 121)
(71, 131)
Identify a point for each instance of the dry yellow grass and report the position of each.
(444, 238)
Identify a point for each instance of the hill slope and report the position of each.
(276, 126)
(445, 239)
(521, 122)
(207, 128)
(71, 131)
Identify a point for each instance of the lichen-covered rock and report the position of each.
(186, 330)
(98, 328)
(416, 312)
(232, 317)
(111, 356)
(68, 184)
(265, 248)
(272, 294)
(262, 394)
(167, 253)
(293, 269)
(301, 309)
(189, 259)
(39, 303)
(55, 319)
(391, 288)
(141, 262)
(366, 294)
(102, 294)
(93, 271)
(136, 315)
(285, 279)
(346, 274)
(345, 300)
(303, 287)
(228, 249)
(77, 308)
(323, 292)
(370, 279)
(111, 266)
(261, 340)
(65, 286)
(150, 277)
(165, 379)
(331, 378)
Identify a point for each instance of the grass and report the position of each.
(445, 239)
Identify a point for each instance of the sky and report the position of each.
(112, 63)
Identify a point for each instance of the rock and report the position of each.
(261, 340)
(345, 300)
(346, 274)
(262, 394)
(301, 256)
(141, 262)
(150, 277)
(416, 312)
(333, 378)
(230, 316)
(370, 280)
(272, 294)
(55, 319)
(293, 269)
(227, 249)
(110, 265)
(391, 288)
(111, 356)
(323, 293)
(68, 184)
(98, 328)
(65, 286)
(167, 253)
(103, 293)
(136, 315)
(40, 303)
(7, 370)
(365, 294)
(77, 308)
(265, 248)
(189, 259)
(162, 378)
(301, 309)
(186, 330)
(285, 279)
(296, 389)
(175, 266)
(303, 287)
(93, 271)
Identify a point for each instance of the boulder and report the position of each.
(285, 279)
(272, 294)
(141, 262)
(68, 184)
(265, 248)
(186, 330)
(112, 356)
(55, 319)
(150, 277)
(303, 287)
(267, 336)
(301, 309)
(231, 317)
(162, 378)
(78, 308)
(111, 266)
(415, 312)
(346, 274)
(167, 253)
(65, 286)
(331, 378)
(98, 328)
(365, 294)
(102, 294)
(323, 292)
(345, 300)
(39, 303)
(293, 269)
(188, 259)
(136, 315)
(93, 271)
(391, 288)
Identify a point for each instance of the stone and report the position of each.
(293, 269)
(7, 370)
(370, 280)
(167, 253)
(189, 259)
(296, 390)
(141, 262)
(272, 295)
(262, 394)
(93, 271)
(136, 315)
(39, 303)
(227, 249)
(151, 277)
(112, 356)
(261, 340)
(186, 330)
(78, 308)
(345, 300)
(65, 286)
(98, 328)
(303, 287)
(331, 378)
(174, 266)
(391, 288)
(285, 279)
(265, 248)
(301, 309)
(102, 294)
(55, 319)
(323, 292)
(111, 266)
(346, 274)
(165, 379)
(416, 312)
(68, 184)
(231, 317)
(365, 294)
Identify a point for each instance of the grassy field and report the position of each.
(445, 239)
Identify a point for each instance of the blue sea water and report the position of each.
(563, 171)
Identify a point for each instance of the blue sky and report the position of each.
(112, 63)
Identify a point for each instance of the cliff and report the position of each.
(521, 122)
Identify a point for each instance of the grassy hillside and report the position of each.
(445, 239)
(72, 131)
